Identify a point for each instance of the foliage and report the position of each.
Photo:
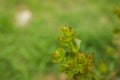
(25, 50)
(77, 65)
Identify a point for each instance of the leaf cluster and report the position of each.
(74, 63)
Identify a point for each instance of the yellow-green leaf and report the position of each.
(58, 55)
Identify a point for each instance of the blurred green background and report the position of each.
(29, 30)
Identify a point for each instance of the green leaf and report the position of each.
(75, 45)
(67, 31)
(58, 55)
(64, 39)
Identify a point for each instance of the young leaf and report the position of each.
(67, 31)
(58, 55)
